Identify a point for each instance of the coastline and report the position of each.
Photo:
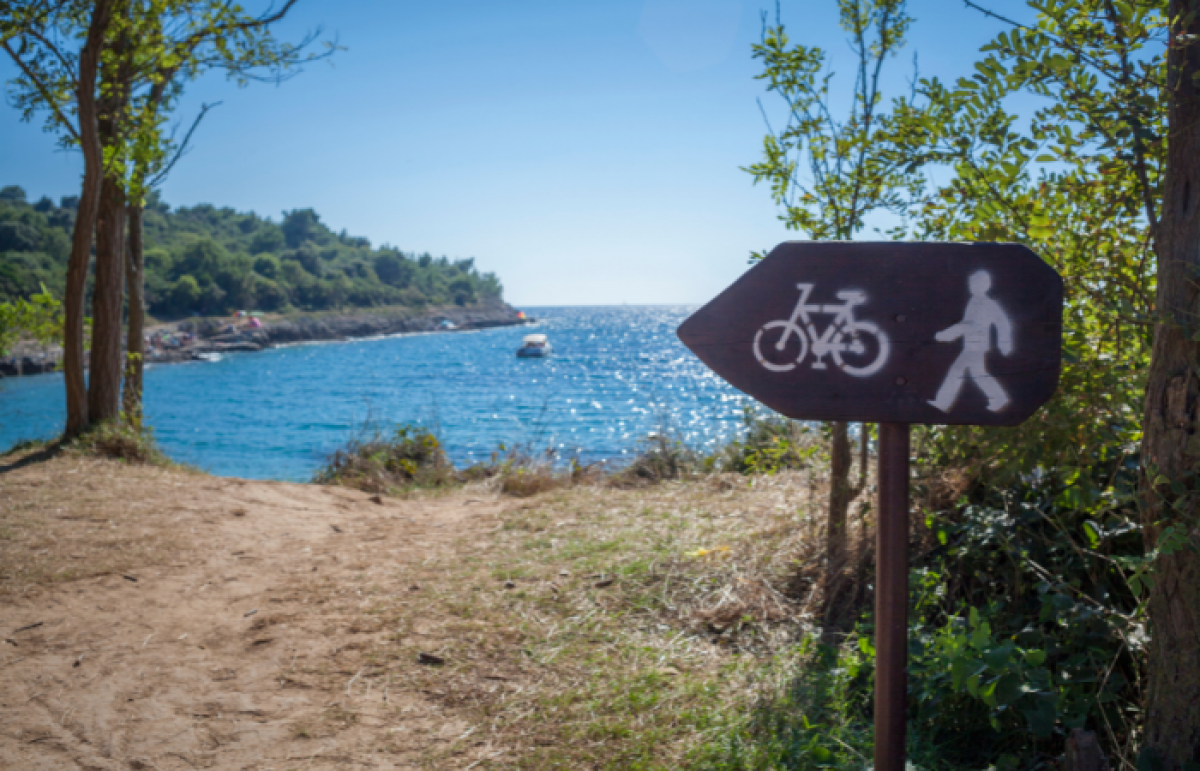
(209, 336)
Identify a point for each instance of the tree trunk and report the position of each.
(134, 343)
(840, 461)
(840, 493)
(1084, 753)
(74, 300)
(1171, 438)
(108, 294)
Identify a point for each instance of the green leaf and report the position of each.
(1008, 689)
(997, 658)
(1041, 716)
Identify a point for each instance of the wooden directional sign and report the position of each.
(889, 332)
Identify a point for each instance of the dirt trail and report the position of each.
(229, 653)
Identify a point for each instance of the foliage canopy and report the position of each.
(211, 261)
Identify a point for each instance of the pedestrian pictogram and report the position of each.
(983, 315)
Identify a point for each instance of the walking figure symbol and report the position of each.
(982, 314)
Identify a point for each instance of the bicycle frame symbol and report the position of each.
(853, 357)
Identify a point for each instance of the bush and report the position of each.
(523, 474)
(660, 458)
(771, 443)
(1027, 619)
(121, 441)
(410, 457)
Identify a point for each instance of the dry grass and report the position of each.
(77, 517)
(597, 627)
(592, 626)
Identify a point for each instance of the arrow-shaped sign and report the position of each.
(889, 332)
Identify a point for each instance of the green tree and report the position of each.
(268, 238)
(827, 175)
(39, 317)
(146, 50)
(185, 295)
(12, 193)
(1120, 124)
(69, 96)
(392, 268)
(267, 265)
(300, 226)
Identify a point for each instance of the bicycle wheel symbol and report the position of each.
(858, 348)
(866, 352)
(779, 356)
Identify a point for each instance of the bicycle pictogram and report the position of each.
(857, 347)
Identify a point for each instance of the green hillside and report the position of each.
(210, 261)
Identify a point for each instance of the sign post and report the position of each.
(891, 597)
(889, 333)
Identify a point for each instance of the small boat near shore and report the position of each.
(534, 347)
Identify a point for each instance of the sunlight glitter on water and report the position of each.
(617, 374)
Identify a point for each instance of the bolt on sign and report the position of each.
(948, 333)
(889, 333)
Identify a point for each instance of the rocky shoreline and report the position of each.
(207, 337)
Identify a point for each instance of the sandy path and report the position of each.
(225, 657)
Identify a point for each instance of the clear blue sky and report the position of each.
(586, 152)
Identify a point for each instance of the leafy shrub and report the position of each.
(409, 457)
(40, 317)
(1027, 618)
(770, 443)
(121, 441)
(660, 458)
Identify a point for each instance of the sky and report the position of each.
(588, 153)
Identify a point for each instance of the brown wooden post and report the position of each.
(891, 598)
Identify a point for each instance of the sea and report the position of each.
(618, 375)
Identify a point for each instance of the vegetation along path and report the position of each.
(158, 618)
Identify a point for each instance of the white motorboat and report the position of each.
(534, 347)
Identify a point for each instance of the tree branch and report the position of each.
(62, 60)
(43, 90)
(190, 43)
(160, 176)
(1139, 150)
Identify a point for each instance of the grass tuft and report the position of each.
(118, 440)
(379, 462)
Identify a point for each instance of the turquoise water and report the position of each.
(617, 374)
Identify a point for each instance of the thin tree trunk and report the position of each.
(1171, 438)
(134, 341)
(840, 462)
(108, 294)
(75, 298)
(864, 458)
(840, 492)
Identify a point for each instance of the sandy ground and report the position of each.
(232, 636)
